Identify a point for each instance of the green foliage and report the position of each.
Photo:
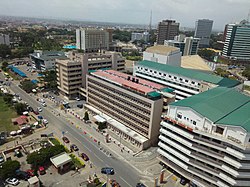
(42, 157)
(86, 116)
(97, 181)
(4, 65)
(101, 125)
(20, 108)
(21, 52)
(5, 51)
(207, 54)
(8, 168)
(8, 98)
(246, 73)
(124, 36)
(77, 162)
(222, 73)
(28, 86)
(50, 79)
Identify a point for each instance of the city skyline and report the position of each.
(127, 12)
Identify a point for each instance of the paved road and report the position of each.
(125, 175)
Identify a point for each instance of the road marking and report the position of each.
(125, 181)
(81, 143)
(59, 182)
(98, 157)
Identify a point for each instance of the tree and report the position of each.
(8, 169)
(8, 98)
(20, 108)
(246, 73)
(207, 54)
(101, 125)
(28, 86)
(4, 51)
(4, 66)
(86, 116)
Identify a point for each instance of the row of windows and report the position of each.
(121, 111)
(121, 106)
(118, 117)
(186, 118)
(113, 96)
(147, 105)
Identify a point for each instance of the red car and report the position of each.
(65, 139)
(30, 172)
(36, 112)
(85, 157)
(41, 170)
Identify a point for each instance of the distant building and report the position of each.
(163, 54)
(71, 72)
(185, 82)
(92, 40)
(140, 36)
(131, 106)
(187, 47)
(205, 138)
(167, 30)
(237, 41)
(4, 39)
(45, 60)
(203, 29)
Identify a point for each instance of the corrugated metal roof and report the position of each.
(193, 74)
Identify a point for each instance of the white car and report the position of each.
(39, 109)
(77, 98)
(45, 121)
(13, 181)
(44, 104)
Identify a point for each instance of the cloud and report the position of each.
(131, 11)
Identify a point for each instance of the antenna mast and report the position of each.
(150, 21)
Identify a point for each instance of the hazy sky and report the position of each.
(131, 11)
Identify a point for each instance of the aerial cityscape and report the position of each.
(125, 93)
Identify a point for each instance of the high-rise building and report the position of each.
(140, 36)
(92, 40)
(131, 106)
(206, 138)
(237, 41)
(71, 73)
(167, 30)
(203, 29)
(187, 47)
(185, 82)
(4, 39)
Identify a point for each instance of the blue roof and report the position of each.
(18, 71)
(34, 81)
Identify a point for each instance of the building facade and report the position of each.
(163, 54)
(189, 46)
(237, 41)
(4, 39)
(167, 30)
(71, 72)
(203, 29)
(131, 106)
(185, 82)
(205, 138)
(140, 36)
(46, 60)
(92, 40)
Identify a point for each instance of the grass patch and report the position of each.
(77, 162)
(245, 87)
(54, 141)
(6, 114)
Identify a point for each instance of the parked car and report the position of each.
(184, 181)
(39, 109)
(65, 139)
(36, 112)
(45, 121)
(80, 105)
(13, 181)
(31, 172)
(85, 157)
(22, 175)
(74, 147)
(108, 171)
(18, 153)
(44, 104)
(1, 159)
(41, 170)
(77, 98)
(140, 185)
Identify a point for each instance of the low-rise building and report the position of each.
(131, 106)
(185, 82)
(71, 72)
(163, 54)
(205, 138)
(46, 60)
(140, 36)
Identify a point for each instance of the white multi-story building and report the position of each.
(206, 138)
(203, 29)
(185, 82)
(92, 40)
(237, 41)
(140, 36)
(163, 54)
(4, 39)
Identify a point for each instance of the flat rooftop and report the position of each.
(162, 49)
(125, 80)
(60, 159)
(194, 62)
